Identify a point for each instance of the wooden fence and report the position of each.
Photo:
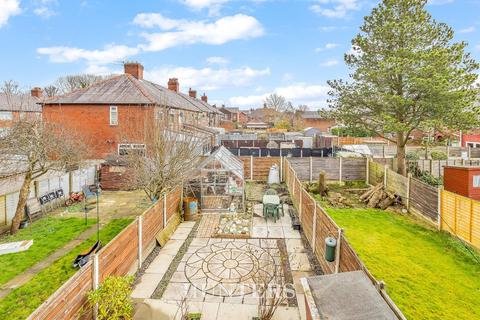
(435, 167)
(121, 256)
(460, 216)
(318, 225)
(340, 169)
(417, 196)
(256, 168)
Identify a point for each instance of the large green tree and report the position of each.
(407, 74)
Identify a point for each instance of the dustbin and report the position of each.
(191, 209)
(330, 245)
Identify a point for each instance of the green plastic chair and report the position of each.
(270, 209)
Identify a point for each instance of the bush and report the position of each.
(113, 298)
(412, 156)
(438, 155)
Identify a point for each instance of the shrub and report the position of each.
(412, 156)
(113, 298)
(438, 155)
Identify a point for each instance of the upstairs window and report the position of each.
(113, 115)
(476, 181)
(131, 148)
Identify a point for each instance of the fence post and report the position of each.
(300, 205)
(281, 168)
(140, 231)
(385, 172)
(164, 210)
(95, 271)
(251, 167)
(409, 181)
(448, 152)
(439, 208)
(314, 231)
(340, 163)
(311, 165)
(337, 253)
(367, 173)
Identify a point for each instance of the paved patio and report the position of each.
(217, 276)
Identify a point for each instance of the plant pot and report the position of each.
(194, 316)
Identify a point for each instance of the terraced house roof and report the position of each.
(126, 89)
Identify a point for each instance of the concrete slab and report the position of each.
(160, 264)
(179, 276)
(274, 232)
(147, 285)
(181, 234)
(171, 247)
(299, 262)
(199, 242)
(286, 313)
(236, 311)
(210, 310)
(175, 291)
(259, 232)
(187, 224)
(156, 309)
(289, 233)
(295, 245)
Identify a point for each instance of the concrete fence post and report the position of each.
(95, 272)
(340, 169)
(140, 249)
(164, 210)
(311, 169)
(300, 206)
(439, 207)
(385, 173)
(281, 168)
(367, 171)
(409, 181)
(251, 167)
(337, 253)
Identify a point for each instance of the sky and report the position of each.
(237, 52)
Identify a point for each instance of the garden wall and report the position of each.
(121, 256)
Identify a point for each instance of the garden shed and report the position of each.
(221, 182)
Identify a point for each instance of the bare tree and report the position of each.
(169, 159)
(32, 148)
(73, 82)
(51, 91)
(303, 108)
(276, 102)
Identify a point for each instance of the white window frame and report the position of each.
(472, 144)
(113, 115)
(6, 115)
(476, 181)
(131, 146)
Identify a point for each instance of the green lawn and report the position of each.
(21, 302)
(48, 234)
(429, 274)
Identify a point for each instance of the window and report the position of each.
(6, 115)
(180, 118)
(126, 148)
(113, 115)
(476, 181)
(473, 144)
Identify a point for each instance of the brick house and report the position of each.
(313, 119)
(13, 107)
(111, 116)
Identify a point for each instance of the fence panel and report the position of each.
(354, 169)
(325, 227)
(424, 199)
(461, 216)
(375, 173)
(308, 208)
(349, 260)
(398, 184)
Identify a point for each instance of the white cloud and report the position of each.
(335, 8)
(150, 20)
(223, 30)
(467, 30)
(439, 2)
(8, 8)
(207, 78)
(213, 6)
(217, 60)
(44, 8)
(329, 63)
(328, 46)
(300, 93)
(110, 53)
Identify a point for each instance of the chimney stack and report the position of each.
(36, 92)
(135, 69)
(192, 93)
(204, 98)
(173, 84)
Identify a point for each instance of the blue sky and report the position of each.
(237, 52)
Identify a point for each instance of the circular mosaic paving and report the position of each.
(228, 268)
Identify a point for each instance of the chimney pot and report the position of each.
(204, 98)
(36, 92)
(135, 69)
(173, 84)
(192, 93)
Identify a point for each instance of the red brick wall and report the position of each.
(322, 124)
(470, 138)
(92, 124)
